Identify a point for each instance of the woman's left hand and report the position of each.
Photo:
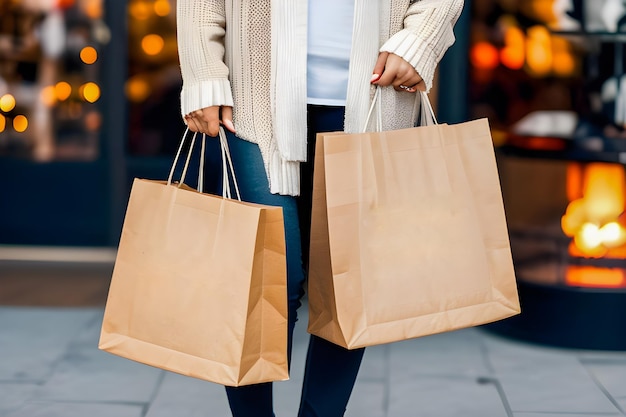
(393, 70)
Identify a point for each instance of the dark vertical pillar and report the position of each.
(114, 131)
(453, 102)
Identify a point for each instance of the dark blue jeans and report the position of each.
(330, 370)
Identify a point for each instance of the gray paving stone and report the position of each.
(564, 415)
(87, 374)
(544, 390)
(48, 409)
(612, 376)
(539, 379)
(13, 396)
(431, 396)
(182, 396)
(369, 399)
(35, 339)
(453, 353)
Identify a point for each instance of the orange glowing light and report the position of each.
(3, 123)
(92, 8)
(65, 4)
(90, 92)
(63, 90)
(152, 44)
(484, 55)
(595, 219)
(513, 54)
(137, 89)
(48, 96)
(543, 10)
(20, 123)
(539, 51)
(7, 103)
(162, 7)
(139, 10)
(88, 55)
(574, 182)
(589, 276)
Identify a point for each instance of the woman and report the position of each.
(274, 73)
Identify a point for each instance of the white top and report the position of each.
(329, 41)
(262, 73)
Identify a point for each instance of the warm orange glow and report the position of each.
(513, 54)
(90, 92)
(595, 219)
(88, 55)
(20, 123)
(563, 63)
(589, 276)
(3, 123)
(543, 10)
(63, 90)
(139, 9)
(48, 96)
(162, 7)
(92, 8)
(539, 51)
(603, 188)
(574, 178)
(152, 44)
(484, 55)
(65, 4)
(7, 103)
(137, 89)
(93, 121)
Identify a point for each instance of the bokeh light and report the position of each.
(137, 89)
(484, 55)
(7, 103)
(88, 55)
(139, 9)
(20, 123)
(152, 44)
(162, 7)
(63, 90)
(3, 123)
(48, 96)
(90, 92)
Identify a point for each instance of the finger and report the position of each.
(379, 68)
(227, 118)
(211, 116)
(192, 124)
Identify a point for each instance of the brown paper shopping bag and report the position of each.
(199, 286)
(408, 235)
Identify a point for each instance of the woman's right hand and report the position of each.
(208, 119)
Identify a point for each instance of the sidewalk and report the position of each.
(50, 367)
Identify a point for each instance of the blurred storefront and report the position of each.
(550, 76)
(88, 100)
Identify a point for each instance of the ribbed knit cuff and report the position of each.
(205, 94)
(415, 51)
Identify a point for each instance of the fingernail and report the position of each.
(229, 125)
(375, 77)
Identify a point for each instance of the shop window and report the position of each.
(49, 78)
(154, 81)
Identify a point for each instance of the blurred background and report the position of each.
(89, 101)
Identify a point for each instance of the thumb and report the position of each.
(379, 67)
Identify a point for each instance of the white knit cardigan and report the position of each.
(252, 55)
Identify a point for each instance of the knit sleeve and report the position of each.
(427, 34)
(200, 33)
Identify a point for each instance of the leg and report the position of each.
(331, 370)
(256, 400)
